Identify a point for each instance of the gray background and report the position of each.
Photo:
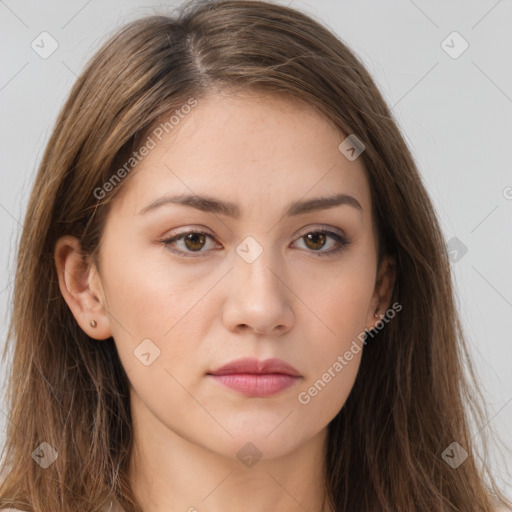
(455, 113)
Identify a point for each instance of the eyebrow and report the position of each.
(213, 205)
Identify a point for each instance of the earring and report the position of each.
(93, 323)
(381, 315)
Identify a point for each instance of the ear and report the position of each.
(383, 290)
(80, 285)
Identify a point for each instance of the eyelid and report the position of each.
(332, 232)
(321, 227)
(193, 228)
(166, 241)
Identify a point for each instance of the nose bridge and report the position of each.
(258, 299)
(259, 267)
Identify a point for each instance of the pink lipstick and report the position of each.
(256, 378)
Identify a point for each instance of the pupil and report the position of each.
(190, 238)
(314, 237)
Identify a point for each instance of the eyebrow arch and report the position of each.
(212, 205)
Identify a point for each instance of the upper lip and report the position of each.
(252, 365)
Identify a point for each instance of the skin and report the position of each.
(261, 152)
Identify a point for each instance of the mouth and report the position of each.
(255, 378)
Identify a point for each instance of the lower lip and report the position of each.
(252, 384)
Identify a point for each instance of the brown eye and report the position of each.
(316, 240)
(185, 244)
(188, 243)
(195, 241)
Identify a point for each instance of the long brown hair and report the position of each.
(411, 399)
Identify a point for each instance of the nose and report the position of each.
(258, 297)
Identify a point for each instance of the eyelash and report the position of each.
(342, 241)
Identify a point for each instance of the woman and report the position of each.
(232, 288)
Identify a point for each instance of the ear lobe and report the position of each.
(80, 285)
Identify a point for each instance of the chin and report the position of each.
(261, 441)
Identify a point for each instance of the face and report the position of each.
(189, 288)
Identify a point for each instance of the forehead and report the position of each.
(254, 147)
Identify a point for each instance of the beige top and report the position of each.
(117, 508)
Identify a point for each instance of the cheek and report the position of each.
(150, 300)
(150, 297)
(325, 394)
(341, 304)
(334, 355)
